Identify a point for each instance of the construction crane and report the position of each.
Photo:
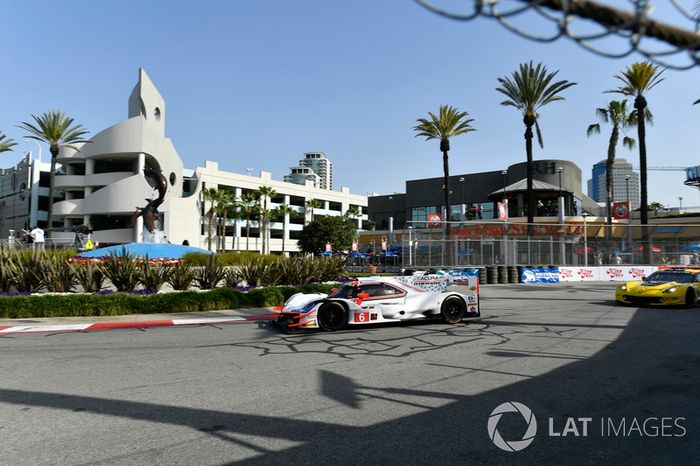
(665, 169)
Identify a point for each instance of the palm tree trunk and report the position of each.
(640, 104)
(445, 148)
(223, 232)
(284, 229)
(609, 179)
(210, 219)
(247, 232)
(529, 122)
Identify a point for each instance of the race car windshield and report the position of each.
(345, 291)
(680, 277)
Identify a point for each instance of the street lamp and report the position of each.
(560, 202)
(410, 246)
(585, 240)
(37, 144)
(629, 206)
(680, 209)
(461, 195)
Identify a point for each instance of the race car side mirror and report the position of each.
(644, 278)
(334, 290)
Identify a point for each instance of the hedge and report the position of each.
(80, 305)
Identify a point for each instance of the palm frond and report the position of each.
(539, 134)
(629, 142)
(593, 129)
(6, 144)
(56, 129)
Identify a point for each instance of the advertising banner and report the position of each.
(540, 275)
(621, 210)
(434, 220)
(579, 274)
(626, 273)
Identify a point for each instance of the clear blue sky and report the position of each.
(257, 83)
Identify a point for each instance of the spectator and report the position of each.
(37, 235)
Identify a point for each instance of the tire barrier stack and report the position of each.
(513, 275)
(482, 275)
(502, 274)
(491, 274)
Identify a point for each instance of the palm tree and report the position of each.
(282, 211)
(637, 80)
(312, 204)
(620, 117)
(6, 145)
(265, 193)
(448, 123)
(530, 89)
(57, 130)
(248, 205)
(235, 214)
(223, 204)
(211, 195)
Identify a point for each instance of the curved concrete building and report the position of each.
(103, 184)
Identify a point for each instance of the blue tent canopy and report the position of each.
(150, 250)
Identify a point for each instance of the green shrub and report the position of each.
(5, 277)
(122, 270)
(89, 276)
(57, 274)
(153, 277)
(181, 277)
(24, 268)
(209, 276)
(232, 277)
(264, 297)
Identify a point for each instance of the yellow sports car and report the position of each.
(669, 287)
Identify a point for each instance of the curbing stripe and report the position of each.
(6, 330)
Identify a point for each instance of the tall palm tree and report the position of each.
(620, 117)
(248, 205)
(636, 81)
(210, 195)
(282, 211)
(311, 205)
(57, 130)
(6, 144)
(265, 193)
(235, 214)
(449, 122)
(223, 205)
(530, 89)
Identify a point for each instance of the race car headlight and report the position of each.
(671, 290)
(623, 287)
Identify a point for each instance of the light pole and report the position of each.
(461, 195)
(560, 203)
(410, 246)
(504, 173)
(37, 144)
(680, 208)
(629, 206)
(585, 240)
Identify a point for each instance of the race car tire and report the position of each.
(690, 298)
(332, 316)
(453, 309)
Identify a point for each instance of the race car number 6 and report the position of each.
(362, 317)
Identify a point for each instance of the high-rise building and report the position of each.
(624, 178)
(318, 164)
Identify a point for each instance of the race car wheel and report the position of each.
(453, 309)
(690, 298)
(332, 316)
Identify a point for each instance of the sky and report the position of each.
(255, 84)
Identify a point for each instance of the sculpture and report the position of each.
(152, 232)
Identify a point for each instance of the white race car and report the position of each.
(380, 299)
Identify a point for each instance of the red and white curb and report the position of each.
(55, 328)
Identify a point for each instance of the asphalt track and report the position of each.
(390, 394)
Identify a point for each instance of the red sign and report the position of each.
(621, 210)
(434, 220)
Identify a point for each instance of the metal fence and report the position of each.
(573, 244)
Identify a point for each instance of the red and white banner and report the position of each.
(621, 210)
(605, 273)
(502, 214)
(434, 220)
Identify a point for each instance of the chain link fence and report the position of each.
(568, 244)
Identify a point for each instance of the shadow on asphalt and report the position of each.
(651, 370)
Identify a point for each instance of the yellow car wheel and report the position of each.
(690, 298)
